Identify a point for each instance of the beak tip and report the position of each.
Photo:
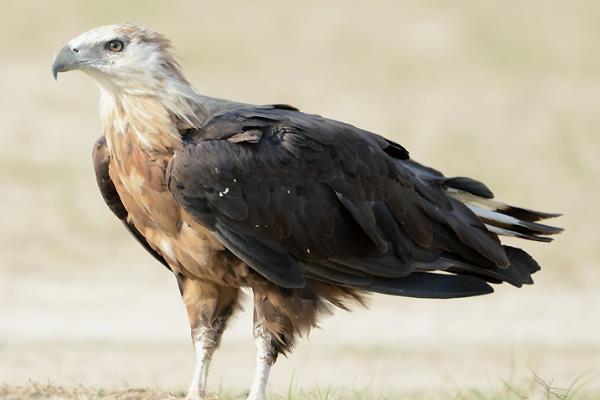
(63, 61)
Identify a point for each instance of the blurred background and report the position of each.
(506, 92)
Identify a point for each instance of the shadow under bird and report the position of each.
(309, 213)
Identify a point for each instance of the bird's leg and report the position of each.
(209, 308)
(266, 355)
(206, 340)
(273, 334)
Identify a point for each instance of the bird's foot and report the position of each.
(256, 396)
(197, 395)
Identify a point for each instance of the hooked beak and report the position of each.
(66, 59)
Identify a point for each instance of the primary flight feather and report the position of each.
(306, 211)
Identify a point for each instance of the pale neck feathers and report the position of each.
(173, 92)
(153, 111)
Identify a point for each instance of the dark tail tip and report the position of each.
(432, 286)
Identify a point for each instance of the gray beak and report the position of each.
(65, 59)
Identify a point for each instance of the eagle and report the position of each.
(309, 213)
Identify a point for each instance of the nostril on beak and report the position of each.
(75, 50)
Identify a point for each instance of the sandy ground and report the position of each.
(138, 337)
(506, 93)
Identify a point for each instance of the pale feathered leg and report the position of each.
(266, 355)
(273, 334)
(209, 308)
(205, 348)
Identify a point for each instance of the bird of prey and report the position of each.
(308, 212)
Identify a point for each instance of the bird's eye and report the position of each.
(115, 46)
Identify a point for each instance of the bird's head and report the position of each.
(127, 59)
(122, 58)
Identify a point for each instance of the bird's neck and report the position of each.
(140, 121)
(176, 95)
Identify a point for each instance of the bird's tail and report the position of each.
(506, 220)
(454, 276)
(501, 219)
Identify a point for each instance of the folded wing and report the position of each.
(298, 196)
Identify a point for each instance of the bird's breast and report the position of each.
(138, 172)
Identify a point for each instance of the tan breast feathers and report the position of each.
(140, 153)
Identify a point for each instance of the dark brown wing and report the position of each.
(297, 195)
(109, 193)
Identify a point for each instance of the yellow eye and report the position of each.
(115, 46)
